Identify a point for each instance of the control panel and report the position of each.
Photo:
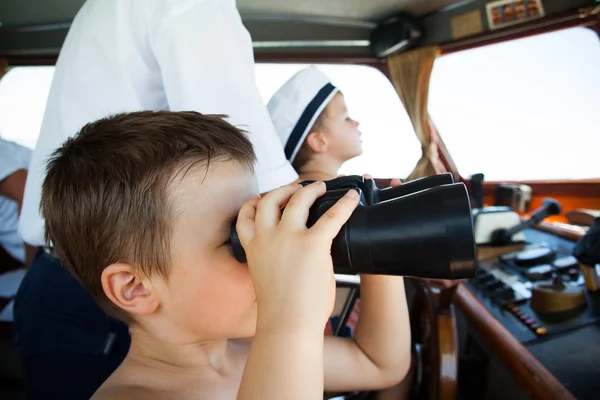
(536, 292)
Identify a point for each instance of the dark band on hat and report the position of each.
(305, 118)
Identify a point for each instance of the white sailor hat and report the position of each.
(295, 107)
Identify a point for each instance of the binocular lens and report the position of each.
(428, 234)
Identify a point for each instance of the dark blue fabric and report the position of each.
(346, 331)
(68, 345)
(305, 118)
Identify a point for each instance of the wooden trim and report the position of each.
(448, 347)
(526, 369)
(433, 325)
(320, 58)
(3, 66)
(580, 17)
(485, 253)
(20, 61)
(260, 57)
(448, 355)
(564, 232)
(596, 28)
(575, 188)
(443, 152)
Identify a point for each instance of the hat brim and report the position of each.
(307, 120)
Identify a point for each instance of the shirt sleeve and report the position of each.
(9, 162)
(207, 65)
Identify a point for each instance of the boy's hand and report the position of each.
(291, 265)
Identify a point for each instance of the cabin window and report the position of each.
(23, 95)
(390, 146)
(522, 110)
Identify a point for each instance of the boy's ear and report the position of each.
(130, 292)
(317, 142)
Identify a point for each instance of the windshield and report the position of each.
(525, 109)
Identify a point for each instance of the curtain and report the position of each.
(410, 73)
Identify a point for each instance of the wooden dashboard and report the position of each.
(527, 370)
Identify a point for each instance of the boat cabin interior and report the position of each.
(500, 94)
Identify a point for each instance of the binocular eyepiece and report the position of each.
(422, 228)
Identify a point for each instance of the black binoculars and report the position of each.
(422, 228)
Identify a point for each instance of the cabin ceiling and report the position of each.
(34, 12)
(363, 10)
(37, 28)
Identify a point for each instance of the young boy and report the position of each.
(318, 135)
(313, 124)
(139, 207)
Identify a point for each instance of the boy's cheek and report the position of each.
(223, 298)
(234, 294)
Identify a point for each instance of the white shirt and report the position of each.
(13, 157)
(129, 55)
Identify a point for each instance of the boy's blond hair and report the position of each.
(305, 153)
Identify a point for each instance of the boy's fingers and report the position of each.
(367, 176)
(395, 182)
(296, 211)
(332, 221)
(245, 221)
(268, 209)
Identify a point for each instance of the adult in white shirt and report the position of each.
(126, 55)
(14, 162)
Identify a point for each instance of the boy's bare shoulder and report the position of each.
(129, 392)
